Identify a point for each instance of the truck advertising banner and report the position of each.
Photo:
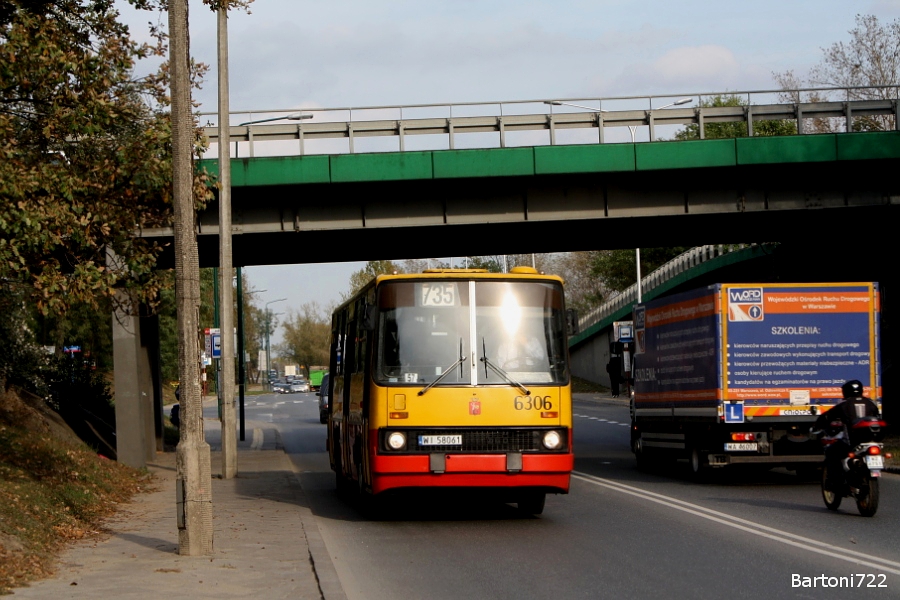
(799, 343)
(776, 347)
(676, 359)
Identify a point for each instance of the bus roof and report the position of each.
(515, 274)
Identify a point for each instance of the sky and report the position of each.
(289, 54)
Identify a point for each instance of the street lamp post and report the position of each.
(268, 325)
(226, 297)
(297, 116)
(632, 128)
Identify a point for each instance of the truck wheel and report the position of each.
(832, 499)
(697, 462)
(644, 463)
(867, 500)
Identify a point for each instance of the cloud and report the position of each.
(281, 63)
(884, 8)
(686, 68)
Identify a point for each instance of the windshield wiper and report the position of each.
(496, 369)
(447, 371)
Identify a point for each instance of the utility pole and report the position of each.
(193, 487)
(229, 433)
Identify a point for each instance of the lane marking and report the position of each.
(258, 439)
(765, 531)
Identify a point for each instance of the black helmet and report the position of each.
(852, 389)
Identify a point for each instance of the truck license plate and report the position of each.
(741, 447)
(874, 462)
(440, 440)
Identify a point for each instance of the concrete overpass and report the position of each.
(305, 208)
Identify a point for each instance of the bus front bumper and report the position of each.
(548, 471)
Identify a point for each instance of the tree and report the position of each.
(584, 290)
(84, 159)
(867, 67)
(307, 335)
(736, 129)
(491, 264)
(616, 269)
(373, 268)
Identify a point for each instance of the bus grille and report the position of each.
(482, 440)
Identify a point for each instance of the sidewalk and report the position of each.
(265, 538)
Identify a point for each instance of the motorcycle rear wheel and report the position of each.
(832, 499)
(867, 499)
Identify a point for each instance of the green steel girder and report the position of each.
(548, 160)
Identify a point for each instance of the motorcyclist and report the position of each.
(853, 407)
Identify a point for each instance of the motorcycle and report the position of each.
(861, 469)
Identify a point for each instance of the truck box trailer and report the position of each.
(737, 373)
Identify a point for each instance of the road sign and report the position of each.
(216, 345)
(734, 412)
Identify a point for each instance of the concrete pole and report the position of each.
(226, 296)
(193, 487)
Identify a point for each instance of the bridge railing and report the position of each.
(671, 269)
(458, 125)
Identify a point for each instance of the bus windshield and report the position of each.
(425, 328)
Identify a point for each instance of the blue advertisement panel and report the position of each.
(799, 343)
(677, 351)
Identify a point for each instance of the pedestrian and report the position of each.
(175, 413)
(614, 368)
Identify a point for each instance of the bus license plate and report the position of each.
(874, 462)
(741, 447)
(440, 440)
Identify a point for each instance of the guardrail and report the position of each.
(548, 115)
(671, 269)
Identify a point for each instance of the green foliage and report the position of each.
(22, 361)
(491, 264)
(85, 157)
(307, 336)
(617, 269)
(372, 269)
(81, 396)
(734, 130)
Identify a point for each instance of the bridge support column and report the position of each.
(138, 398)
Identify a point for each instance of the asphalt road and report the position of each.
(620, 533)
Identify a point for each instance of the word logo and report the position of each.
(745, 304)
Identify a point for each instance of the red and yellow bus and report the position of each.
(453, 378)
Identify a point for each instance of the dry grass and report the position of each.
(51, 492)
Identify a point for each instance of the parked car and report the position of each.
(299, 386)
(324, 398)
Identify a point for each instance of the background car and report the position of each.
(299, 386)
(323, 395)
(281, 387)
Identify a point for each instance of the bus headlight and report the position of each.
(552, 440)
(396, 440)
